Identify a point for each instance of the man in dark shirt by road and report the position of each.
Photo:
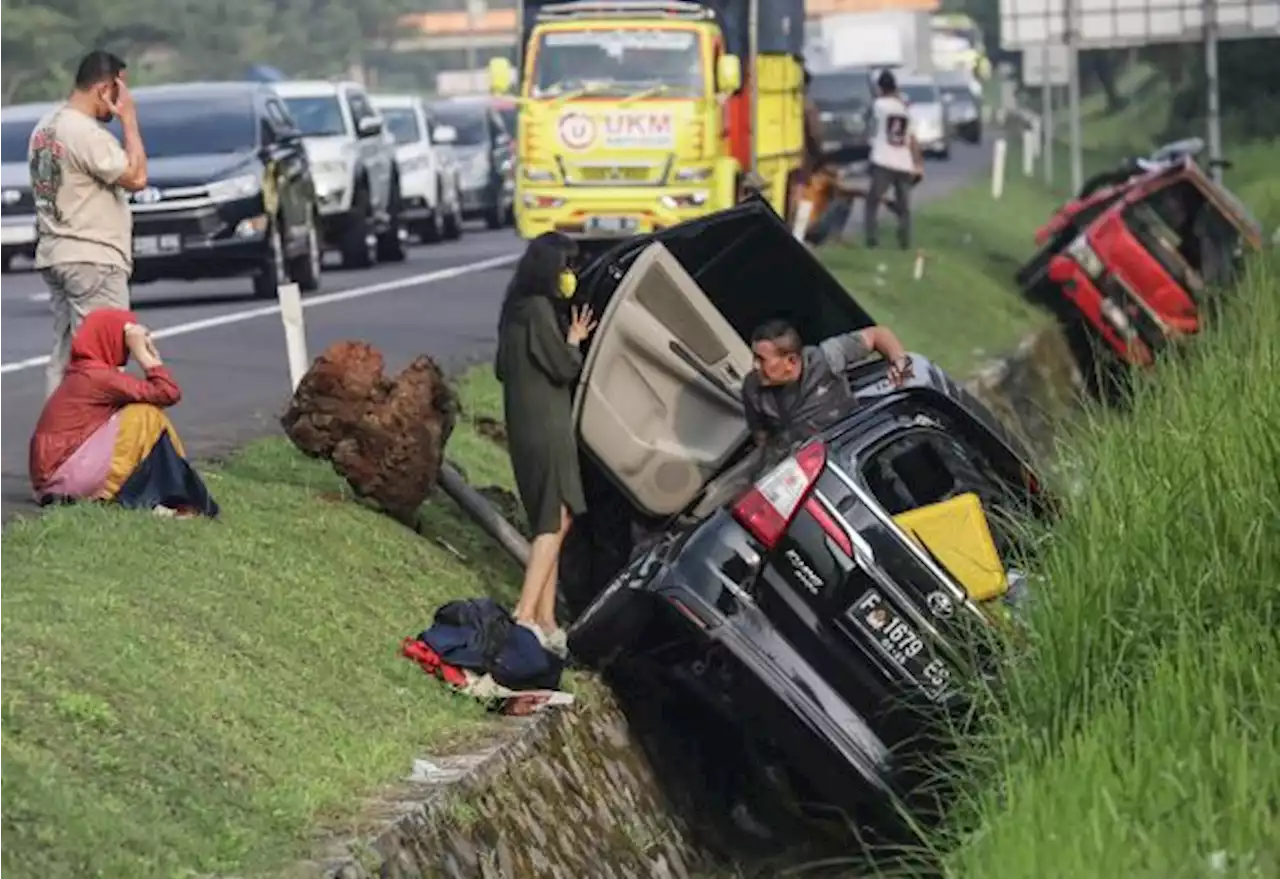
(797, 390)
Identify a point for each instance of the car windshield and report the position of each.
(195, 125)
(14, 137)
(402, 122)
(318, 116)
(919, 94)
(618, 62)
(840, 88)
(467, 121)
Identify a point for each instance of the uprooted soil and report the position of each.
(385, 436)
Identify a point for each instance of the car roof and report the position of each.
(26, 112)
(468, 102)
(306, 88)
(202, 90)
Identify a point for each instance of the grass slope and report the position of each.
(196, 695)
(1142, 736)
(964, 310)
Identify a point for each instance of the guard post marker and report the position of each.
(917, 271)
(997, 167)
(295, 331)
(1028, 152)
(803, 212)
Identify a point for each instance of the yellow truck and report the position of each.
(636, 115)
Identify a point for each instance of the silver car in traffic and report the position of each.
(928, 111)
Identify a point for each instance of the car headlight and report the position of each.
(1083, 253)
(235, 187)
(692, 175)
(329, 166)
(538, 175)
(11, 196)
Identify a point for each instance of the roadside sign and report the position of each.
(1035, 71)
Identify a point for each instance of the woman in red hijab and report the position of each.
(103, 434)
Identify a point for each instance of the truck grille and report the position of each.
(604, 174)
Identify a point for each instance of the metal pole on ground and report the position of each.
(1073, 98)
(1214, 133)
(295, 331)
(1046, 98)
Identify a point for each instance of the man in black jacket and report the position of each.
(797, 390)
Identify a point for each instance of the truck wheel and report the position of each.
(390, 247)
(305, 269)
(359, 245)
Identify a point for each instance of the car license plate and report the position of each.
(902, 644)
(150, 245)
(604, 225)
(18, 234)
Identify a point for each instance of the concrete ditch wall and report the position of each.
(570, 794)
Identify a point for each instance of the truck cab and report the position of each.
(634, 117)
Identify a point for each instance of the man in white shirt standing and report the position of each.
(896, 160)
(81, 178)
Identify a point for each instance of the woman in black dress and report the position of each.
(538, 364)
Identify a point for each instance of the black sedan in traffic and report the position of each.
(229, 188)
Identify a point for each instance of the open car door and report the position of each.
(659, 401)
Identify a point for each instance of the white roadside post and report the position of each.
(295, 331)
(997, 167)
(803, 211)
(1028, 151)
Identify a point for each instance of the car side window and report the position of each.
(923, 466)
(276, 122)
(360, 106)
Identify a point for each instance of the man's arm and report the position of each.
(135, 172)
(845, 350)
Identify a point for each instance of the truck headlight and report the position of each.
(538, 175)
(692, 175)
(235, 188)
(1083, 253)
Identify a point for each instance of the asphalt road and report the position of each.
(227, 349)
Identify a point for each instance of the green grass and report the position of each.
(965, 309)
(1141, 735)
(206, 695)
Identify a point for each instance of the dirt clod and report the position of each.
(385, 436)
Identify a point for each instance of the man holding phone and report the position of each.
(81, 177)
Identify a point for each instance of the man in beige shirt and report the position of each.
(81, 177)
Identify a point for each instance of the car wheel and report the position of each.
(8, 263)
(493, 215)
(431, 229)
(305, 269)
(944, 153)
(453, 220)
(359, 245)
(390, 246)
(274, 272)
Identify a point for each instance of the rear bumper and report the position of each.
(574, 210)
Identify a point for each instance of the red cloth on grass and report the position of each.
(432, 664)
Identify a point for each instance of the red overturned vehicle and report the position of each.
(1136, 259)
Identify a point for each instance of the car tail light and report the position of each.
(767, 509)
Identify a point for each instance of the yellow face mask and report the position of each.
(568, 284)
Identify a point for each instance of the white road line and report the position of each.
(236, 317)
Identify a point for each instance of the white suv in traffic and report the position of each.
(430, 199)
(352, 160)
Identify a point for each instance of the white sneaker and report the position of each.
(557, 642)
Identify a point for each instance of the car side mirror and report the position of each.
(728, 74)
(369, 126)
(444, 135)
(502, 76)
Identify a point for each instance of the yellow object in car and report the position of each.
(957, 534)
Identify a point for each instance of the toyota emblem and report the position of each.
(940, 603)
(150, 195)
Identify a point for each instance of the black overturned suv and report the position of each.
(229, 190)
(803, 601)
